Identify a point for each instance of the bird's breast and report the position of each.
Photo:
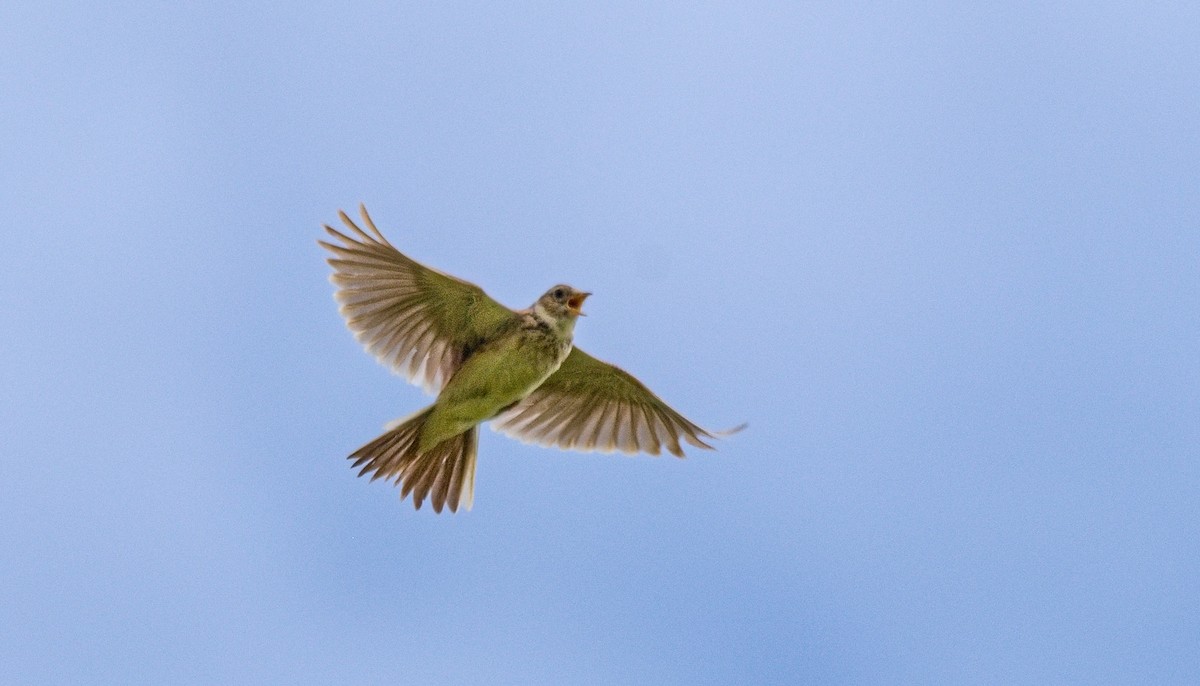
(550, 351)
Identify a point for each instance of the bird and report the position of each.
(483, 361)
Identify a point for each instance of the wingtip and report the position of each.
(366, 217)
(730, 432)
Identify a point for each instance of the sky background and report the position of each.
(943, 257)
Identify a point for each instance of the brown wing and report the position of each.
(591, 405)
(413, 319)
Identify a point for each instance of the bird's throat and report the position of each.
(561, 326)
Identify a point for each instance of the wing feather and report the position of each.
(590, 405)
(598, 424)
(416, 320)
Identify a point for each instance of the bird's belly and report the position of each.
(491, 382)
(527, 381)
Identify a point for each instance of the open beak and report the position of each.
(575, 302)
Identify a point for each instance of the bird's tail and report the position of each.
(444, 473)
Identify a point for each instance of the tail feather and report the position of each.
(445, 474)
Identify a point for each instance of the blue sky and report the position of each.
(944, 258)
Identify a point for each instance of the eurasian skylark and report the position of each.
(484, 361)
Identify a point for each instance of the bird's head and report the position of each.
(562, 302)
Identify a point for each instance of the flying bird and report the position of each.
(484, 362)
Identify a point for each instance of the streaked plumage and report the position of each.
(484, 361)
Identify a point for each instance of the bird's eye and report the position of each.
(559, 293)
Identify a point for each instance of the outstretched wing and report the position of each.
(591, 405)
(416, 320)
